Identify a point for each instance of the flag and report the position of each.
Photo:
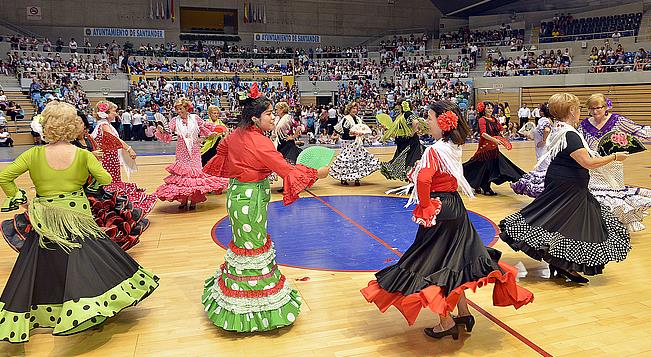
(255, 14)
(172, 8)
(162, 10)
(251, 12)
(264, 14)
(245, 13)
(167, 9)
(157, 10)
(151, 9)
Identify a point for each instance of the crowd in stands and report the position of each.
(431, 67)
(338, 69)
(567, 28)
(464, 38)
(544, 63)
(609, 59)
(400, 45)
(52, 67)
(139, 66)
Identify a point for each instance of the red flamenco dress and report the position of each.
(111, 145)
(187, 183)
(446, 258)
(488, 165)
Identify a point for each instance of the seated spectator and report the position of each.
(5, 138)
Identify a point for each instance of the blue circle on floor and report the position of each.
(343, 233)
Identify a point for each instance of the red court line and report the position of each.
(488, 315)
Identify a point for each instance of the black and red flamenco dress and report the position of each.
(446, 258)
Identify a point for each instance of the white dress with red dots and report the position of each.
(187, 181)
(111, 162)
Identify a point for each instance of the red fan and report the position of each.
(110, 142)
(507, 144)
(220, 129)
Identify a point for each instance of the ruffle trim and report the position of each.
(137, 196)
(248, 319)
(242, 278)
(531, 184)
(566, 253)
(251, 252)
(300, 178)
(251, 293)
(241, 305)
(215, 166)
(77, 315)
(243, 262)
(505, 293)
(427, 216)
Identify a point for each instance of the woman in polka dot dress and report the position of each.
(68, 275)
(187, 183)
(354, 162)
(566, 226)
(248, 292)
(117, 154)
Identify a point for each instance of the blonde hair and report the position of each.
(107, 102)
(597, 99)
(350, 106)
(213, 107)
(61, 123)
(183, 102)
(561, 104)
(282, 106)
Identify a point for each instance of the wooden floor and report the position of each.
(609, 316)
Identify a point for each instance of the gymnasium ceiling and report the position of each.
(465, 8)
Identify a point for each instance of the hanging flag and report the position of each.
(151, 9)
(167, 10)
(157, 11)
(255, 14)
(251, 12)
(162, 10)
(172, 9)
(264, 14)
(246, 20)
(258, 14)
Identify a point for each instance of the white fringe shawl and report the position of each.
(448, 160)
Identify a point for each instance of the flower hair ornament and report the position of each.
(481, 106)
(609, 103)
(102, 109)
(447, 121)
(254, 92)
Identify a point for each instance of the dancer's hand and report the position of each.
(621, 156)
(323, 172)
(131, 152)
(99, 154)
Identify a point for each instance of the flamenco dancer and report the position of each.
(353, 162)
(286, 131)
(209, 147)
(121, 222)
(566, 226)
(488, 165)
(532, 184)
(628, 204)
(43, 291)
(187, 183)
(447, 256)
(117, 154)
(248, 292)
(404, 132)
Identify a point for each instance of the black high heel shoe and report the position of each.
(344, 183)
(357, 183)
(567, 275)
(490, 192)
(454, 332)
(478, 191)
(468, 321)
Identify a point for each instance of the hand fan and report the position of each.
(110, 142)
(619, 141)
(384, 120)
(316, 157)
(505, 141)
(360, 129)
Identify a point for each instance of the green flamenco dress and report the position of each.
(68, 275)
(248, 293)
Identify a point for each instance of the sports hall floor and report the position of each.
(330, 246)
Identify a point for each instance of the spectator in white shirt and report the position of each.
(126, 124)
(136, 125)
(5, 138)
(72, 45)
(524, 113)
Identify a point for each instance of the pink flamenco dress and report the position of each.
(113, 159)
(187, 183)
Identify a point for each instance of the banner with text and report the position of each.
(118, 32)
(286, 37)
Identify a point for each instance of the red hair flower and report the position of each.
(447, 121)
(102, 107)
(254, 92)
(481, 107)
